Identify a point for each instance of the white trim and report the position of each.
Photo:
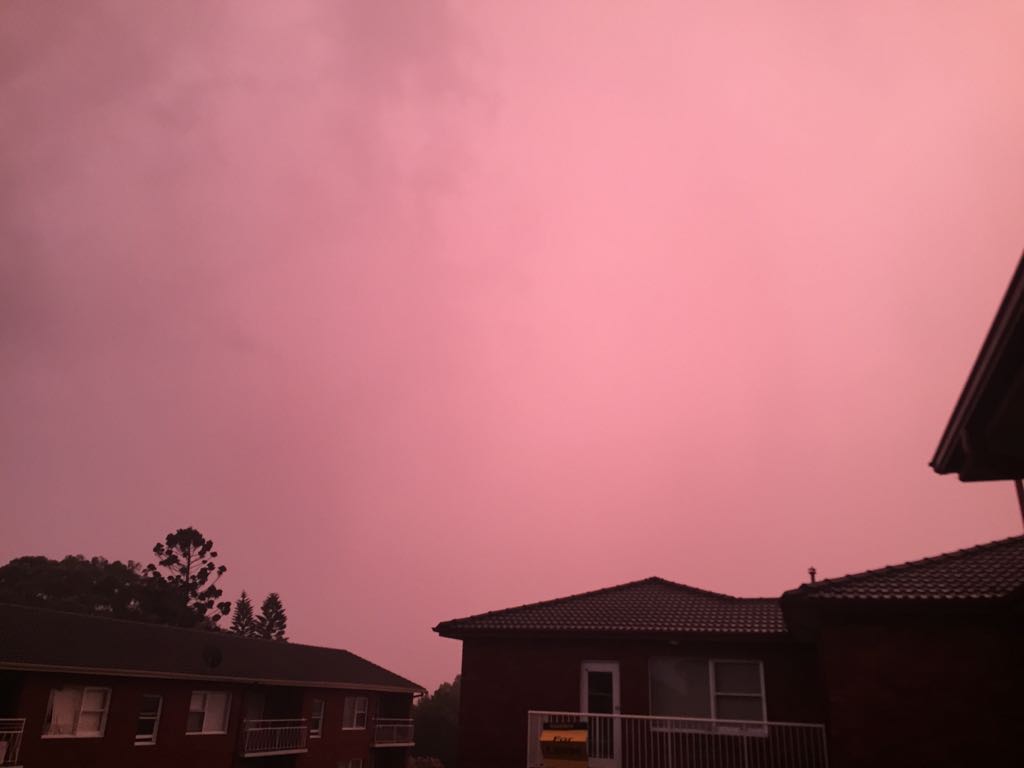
(85, 689)
(160, 675)
(355, 713)
(227, 714)
(713, 692)
(316, 734)
(151, 739)
(611, 667)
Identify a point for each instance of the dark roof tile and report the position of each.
(39, 638)
(984, 572)
(651, 606)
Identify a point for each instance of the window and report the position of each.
(149, 719)
(707, 688)
(316, 720)
(356, 763)
(355, 713)
(208, 712)
(77, 712)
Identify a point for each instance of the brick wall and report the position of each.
(502, 679)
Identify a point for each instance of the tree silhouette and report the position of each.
(437, 723)
(272, 621)
(188, 559)
(97, 586)
(243, 622)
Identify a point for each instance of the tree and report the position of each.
(272, 621)
(243, 622)
(436, 721)
(97, 586)
(188, 559)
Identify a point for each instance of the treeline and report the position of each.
(179, 589)
(437, 727)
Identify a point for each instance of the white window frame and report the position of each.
(318, 718)
(754, 728)
(85, 689)
(148, 740)
(227, 714)
(356, 712)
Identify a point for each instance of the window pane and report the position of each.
(216, 712)
(349, 718)
(195, 704)
(95, 699)
(194, 724)
(737, 677)
(145, 727)
(89, 723)
(599, 692)
(150, 706)
(317, 717)
(680, 687)
(739, 707)
(64, 706)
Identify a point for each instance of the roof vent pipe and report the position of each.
(813, 572)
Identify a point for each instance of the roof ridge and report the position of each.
(909, 564)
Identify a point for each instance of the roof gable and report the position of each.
(650, 606)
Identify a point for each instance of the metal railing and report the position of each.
(274, 737)
(11, 730)
(393, 732)
(650, 741)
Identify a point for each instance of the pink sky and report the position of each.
(420, 310)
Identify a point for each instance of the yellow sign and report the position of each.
(564, 745)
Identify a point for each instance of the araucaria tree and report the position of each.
(187, 557)
(243, 622)
(272, 622)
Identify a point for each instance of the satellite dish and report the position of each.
(212, 656)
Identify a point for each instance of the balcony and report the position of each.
(263, 738)
(642, 741)
(11, 730)
(393, 732)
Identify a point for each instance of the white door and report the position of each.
(599, 695)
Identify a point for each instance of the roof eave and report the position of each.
(479, 633)
(953, 454)
(15, 666)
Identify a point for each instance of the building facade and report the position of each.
(919, 664)
(88, 691)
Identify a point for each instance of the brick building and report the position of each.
(84, 691)
(920, 664)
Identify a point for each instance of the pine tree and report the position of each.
(189, 560)
(272, 621)
(243, 622)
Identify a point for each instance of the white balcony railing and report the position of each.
(643, 741)
(393, 732)
(11, 730)
(261, 738)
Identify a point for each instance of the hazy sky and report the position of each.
(423, 309)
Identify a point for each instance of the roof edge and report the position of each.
(812, 590)
(1009, 315)
(159, 675)
(444, 628)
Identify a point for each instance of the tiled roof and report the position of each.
(45, 639)
(985, 572)
(651, 606)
